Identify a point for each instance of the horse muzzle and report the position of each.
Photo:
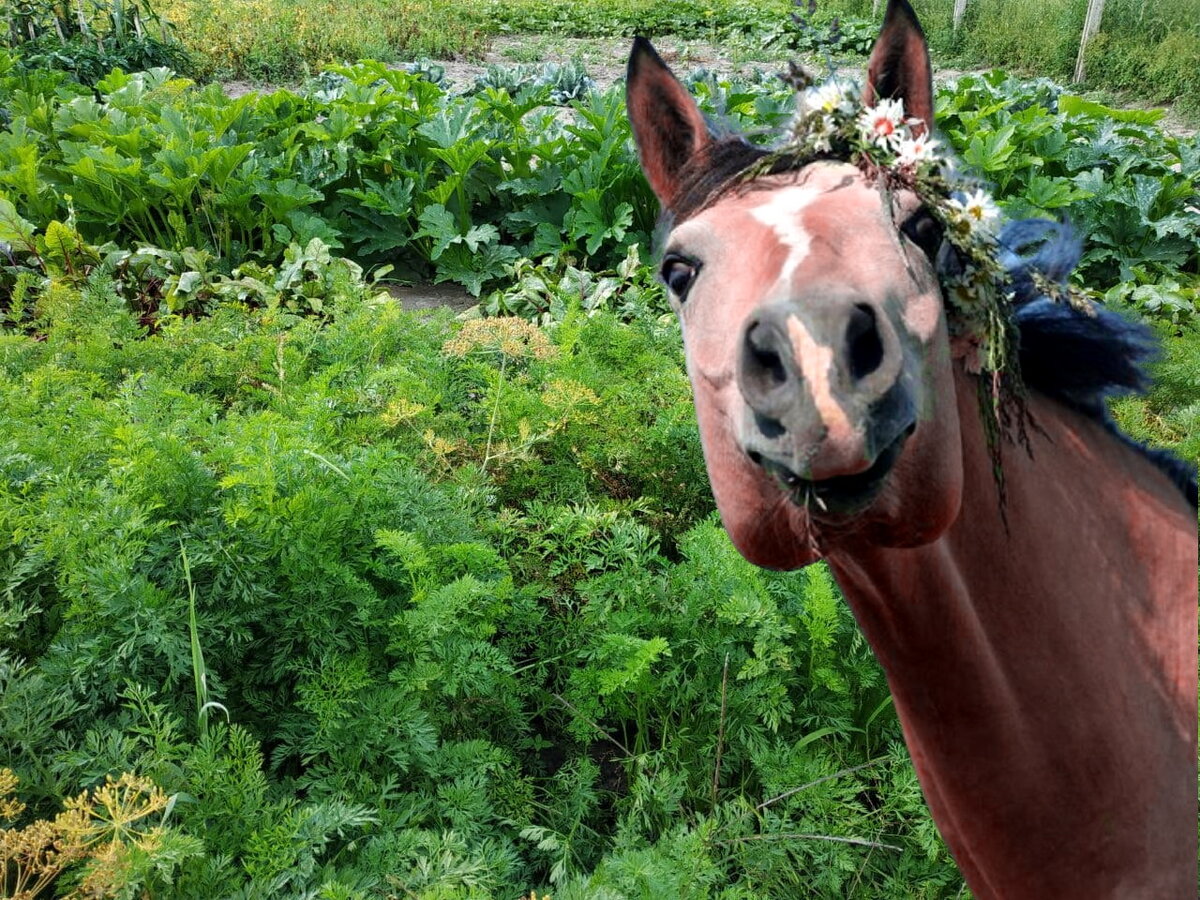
(829, 403)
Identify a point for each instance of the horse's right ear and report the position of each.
(667, 125)
(899, 65)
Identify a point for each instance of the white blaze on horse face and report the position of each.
(781, 213)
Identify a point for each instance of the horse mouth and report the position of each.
(842, 496)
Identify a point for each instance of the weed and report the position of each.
(530, 52)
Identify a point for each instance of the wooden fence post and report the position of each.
(960, 7)
(1091, 25)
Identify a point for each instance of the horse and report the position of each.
(1030, 591)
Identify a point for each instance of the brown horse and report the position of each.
(1041, 650)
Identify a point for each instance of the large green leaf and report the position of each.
(13, 228)
(1073, 105)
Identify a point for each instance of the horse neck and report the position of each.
(1045, 672)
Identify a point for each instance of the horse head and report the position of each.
(813, 321)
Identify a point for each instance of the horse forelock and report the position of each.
(708, 177)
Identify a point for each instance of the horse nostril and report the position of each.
(762, 365)
(864, 347)
(768, 427)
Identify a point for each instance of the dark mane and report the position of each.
(1077, 359)
(711, 174)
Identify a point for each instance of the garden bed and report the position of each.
(399, 604)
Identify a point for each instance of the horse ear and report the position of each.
(667, 125)
(899, 65)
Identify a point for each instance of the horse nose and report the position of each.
(793, 353)
(767, 371)
(863, 343)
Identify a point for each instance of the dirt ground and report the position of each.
(432, 296)
(604, 60)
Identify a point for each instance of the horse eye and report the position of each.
(924, 230)
(678, 274)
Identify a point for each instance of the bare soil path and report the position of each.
(604, 58)
(433, 296)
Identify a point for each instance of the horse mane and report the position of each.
(1077, 359)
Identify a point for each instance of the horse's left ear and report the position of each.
(899, 65)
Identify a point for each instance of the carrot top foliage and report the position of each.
(466, 624)
(460, 648)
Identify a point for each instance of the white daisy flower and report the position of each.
(976, 210)
(833, 96)
(819, 133)
(915, 150)
(883, 124)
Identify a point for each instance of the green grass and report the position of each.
(290, 39)
(1149, 50)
